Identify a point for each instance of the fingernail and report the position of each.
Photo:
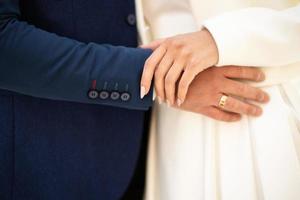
(159, 100)
(266, 98)
(254, 112)
(143, 92)
(262, 98)
(168, 103)
(257, 112)
(258, 77)
(179, 102)
(261, 77)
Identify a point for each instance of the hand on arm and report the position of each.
(178, 60)
(239, 37)
(206, 84)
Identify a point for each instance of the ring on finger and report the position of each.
(223, 100)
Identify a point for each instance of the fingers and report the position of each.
(171, 81)
(160, 75)
(237, 106)
(243, 90)
(153, 45)
(184, 84)
(149, 69)
(246, 73)
(221, 115)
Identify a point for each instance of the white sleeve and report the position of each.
(257, 37)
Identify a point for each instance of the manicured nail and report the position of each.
(256, 112)
(258, 77)
(261, 77)
(143, 92)
(261, 98)
(259, 112)
(179, 102)
(264, 98)
(168, 103)
(159, 100)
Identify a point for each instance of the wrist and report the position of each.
(210, 47)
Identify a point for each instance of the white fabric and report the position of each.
(248, 35)
(192, 157)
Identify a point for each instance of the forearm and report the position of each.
(42, 64)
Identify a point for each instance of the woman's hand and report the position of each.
(175, 62)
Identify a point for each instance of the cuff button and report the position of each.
(104, 95)
(125, 96)
(115, 96)
(93, 94)
(131, 19)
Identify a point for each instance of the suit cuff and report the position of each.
(119, 85)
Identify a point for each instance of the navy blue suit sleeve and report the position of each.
(42, 64)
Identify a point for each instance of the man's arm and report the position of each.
(41, 64)
(257, 37)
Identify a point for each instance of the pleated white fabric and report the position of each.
(192, 157)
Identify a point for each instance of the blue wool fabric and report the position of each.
(71, 120)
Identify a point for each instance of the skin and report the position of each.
(178, 60)
(208, 86)
(183, 73)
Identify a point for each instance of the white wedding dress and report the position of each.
(192, 157)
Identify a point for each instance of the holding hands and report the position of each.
(178, 60)
(185, 77)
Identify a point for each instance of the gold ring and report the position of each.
(222, 102)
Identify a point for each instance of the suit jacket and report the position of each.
(71, 119)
